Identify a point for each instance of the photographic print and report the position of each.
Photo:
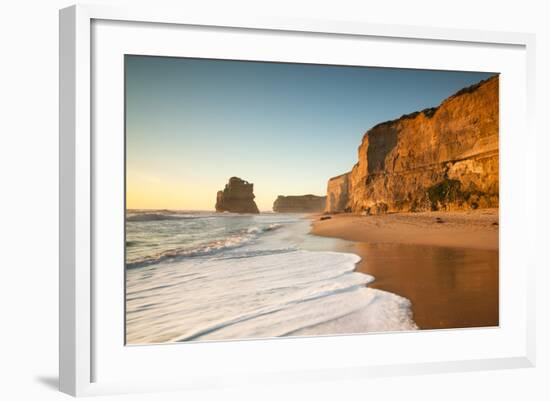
(270, 199)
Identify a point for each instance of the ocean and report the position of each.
(199, 276)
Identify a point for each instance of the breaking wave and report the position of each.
(211, 248)
(278, 294)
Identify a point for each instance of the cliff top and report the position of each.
(430, 112)
(338, 176)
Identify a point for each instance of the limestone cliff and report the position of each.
(444, 158)
(338, 194)
(237, 197)
(299, 204)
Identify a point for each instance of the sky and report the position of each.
(191, 124)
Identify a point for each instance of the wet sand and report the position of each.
(449, 270)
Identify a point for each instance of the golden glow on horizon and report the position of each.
(145, 192)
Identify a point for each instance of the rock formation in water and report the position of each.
(237, 197)
(444, 158)
(299, 204)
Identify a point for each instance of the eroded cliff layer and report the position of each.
(237, 197)
(444, 158)
(299, 204)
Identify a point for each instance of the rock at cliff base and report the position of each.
(237, 197)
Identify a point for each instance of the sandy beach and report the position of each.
(445, 263)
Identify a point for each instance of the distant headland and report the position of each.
(299, 204)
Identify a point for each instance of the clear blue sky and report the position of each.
(193, 123)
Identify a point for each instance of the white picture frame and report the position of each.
(78, 370)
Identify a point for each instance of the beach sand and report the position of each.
(445, 263)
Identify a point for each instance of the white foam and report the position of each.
(294, 292)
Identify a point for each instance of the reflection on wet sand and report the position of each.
(448, 287)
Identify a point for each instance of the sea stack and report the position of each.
(237, 197)
(444, 158)
(299, 204)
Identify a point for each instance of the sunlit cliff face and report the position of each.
(437, 159)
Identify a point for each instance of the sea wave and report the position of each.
(278, 294)
(210, 248)
(160, 217)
